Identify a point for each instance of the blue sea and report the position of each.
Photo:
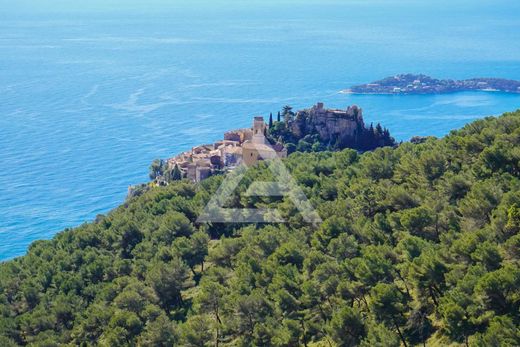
(90, 95)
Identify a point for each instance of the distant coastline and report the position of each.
(423, 84)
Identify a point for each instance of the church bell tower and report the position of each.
(259, 130)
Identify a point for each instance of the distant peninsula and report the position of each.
(422, 84)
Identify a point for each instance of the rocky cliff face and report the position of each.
(331, 125)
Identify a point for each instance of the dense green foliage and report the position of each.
(418, 245)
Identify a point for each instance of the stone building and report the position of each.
(239, 135)
(232, 156)
(258, 148)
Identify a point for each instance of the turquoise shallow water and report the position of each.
(88, 98)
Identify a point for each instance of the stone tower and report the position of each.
(259, 131)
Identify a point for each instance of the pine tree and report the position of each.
(379, 130)
(278, 118)
(370, 139)
(387, 139)
(176, 173)
(287, 113)
(270, 120)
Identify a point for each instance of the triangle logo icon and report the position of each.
(284, 186)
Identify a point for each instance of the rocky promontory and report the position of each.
(422, 84)
(319, 128)
(310, 130)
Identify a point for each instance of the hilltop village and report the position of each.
(239, 146)
(314, 129)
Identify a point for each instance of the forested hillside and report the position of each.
(419, 245)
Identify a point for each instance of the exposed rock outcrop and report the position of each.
(320, 129)
(331, 125)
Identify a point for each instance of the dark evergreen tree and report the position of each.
(379, 131)
(156, 169)
(387, 139)
(371, 138)
(176, 173)
(287, 113)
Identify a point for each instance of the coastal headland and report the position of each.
(423, 84)
(310, 130)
